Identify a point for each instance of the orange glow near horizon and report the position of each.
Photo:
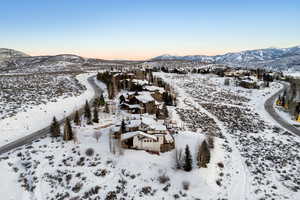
(120, 55)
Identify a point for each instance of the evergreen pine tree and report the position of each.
(68, 133)
(122, 99)
(165, 111)
(187, 159)
(96, 117)
(54, 128)
(102, 101)
(77, 118)
(123, 127)
(87, 112)
(110, 90)
(96, 102)
(106, 109)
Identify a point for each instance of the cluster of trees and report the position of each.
(90, 118)
(67, 132)
(107, 78)
(185, 161)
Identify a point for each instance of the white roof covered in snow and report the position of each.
(158, 127)
(153, 124)
(145, 97)
(132, 105)
(140, 82)
(134, 123)
(153, 88)
(128, 135)
(169, 138)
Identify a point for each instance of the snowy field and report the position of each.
(253, 158)
(35, 111)
(270, 156)
(55, 169)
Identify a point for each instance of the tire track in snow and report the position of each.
(239, 189)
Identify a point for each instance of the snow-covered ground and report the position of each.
(253, 158)
(284, 114)
(54, 168)
(40, 116)
(269, 156)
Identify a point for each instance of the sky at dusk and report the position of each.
(130, 29)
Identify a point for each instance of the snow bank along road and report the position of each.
(46, 130)
(269, 106)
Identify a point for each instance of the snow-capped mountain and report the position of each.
(272, 58)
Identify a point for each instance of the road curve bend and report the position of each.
(43, 132)
(269, 107)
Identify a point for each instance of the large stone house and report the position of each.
(139, 103)
(146, 133)
(144, 141)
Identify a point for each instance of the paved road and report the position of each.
(43, 132)
(271, 110)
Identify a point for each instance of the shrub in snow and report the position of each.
(80, 162)
(68, 178)
(77, 187)
(101, 172)
(220, 164)
(218, 182)
(166, 188)
(186, 185)
(146, 190)
(111, 196)
(163, 179)
(89, 152)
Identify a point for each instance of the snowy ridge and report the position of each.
(271, 58)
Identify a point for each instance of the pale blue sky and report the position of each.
(131, 29)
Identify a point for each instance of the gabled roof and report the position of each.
(134, 123)
(153, 88)
(140, 82)
(144, 97)
(128, 135)
(169, 138)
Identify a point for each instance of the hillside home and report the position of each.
(156, 92)
(144, 141)
(141, 102)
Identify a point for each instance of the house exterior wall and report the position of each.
(156, 132)
(157, 96)
(150, 107)
(143, 144)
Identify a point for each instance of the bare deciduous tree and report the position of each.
(178, 158)
(97, 135)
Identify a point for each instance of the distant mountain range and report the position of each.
(10, 53)
(279, 59)
(283, 59)
(12, 61)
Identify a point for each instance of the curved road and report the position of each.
(269, 106)
(43, 132)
